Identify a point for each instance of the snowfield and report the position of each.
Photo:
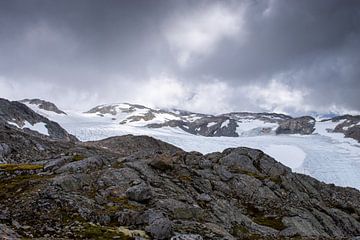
(327, 156)
(37, 127)
(289, 155)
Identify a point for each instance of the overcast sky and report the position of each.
(288, 56)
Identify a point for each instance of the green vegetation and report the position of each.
(260, 218)
(118, 165)
(272, 222)
(20, 167)
(125, 204)
(78, 157)
(242, 232)
(101, 233)
(185, 178)
(92, 231)
(112, 209)
(255, 175)
(276, 180)
(18, 184)
(239, 230)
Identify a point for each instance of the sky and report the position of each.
(288, 56)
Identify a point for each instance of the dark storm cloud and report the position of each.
(308, 50)
(316, 42)
(78, 40)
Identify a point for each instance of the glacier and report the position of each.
(324, 155)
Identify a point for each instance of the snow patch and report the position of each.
(225, 124)
(39, 127)
(211, 124)
(255, 127)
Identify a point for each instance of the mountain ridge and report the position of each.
(233, 124)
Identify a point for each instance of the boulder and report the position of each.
(139, 193)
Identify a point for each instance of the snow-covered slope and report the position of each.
(14, 114)
(39, 127)
(325, 155)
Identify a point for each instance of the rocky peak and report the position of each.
(17, 115)
(115, 108)
(45, 105)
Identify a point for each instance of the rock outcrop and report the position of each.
(208, 126)
(348, 125)
(136, 187)
(301, 125)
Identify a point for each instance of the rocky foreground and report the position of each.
(141, 188)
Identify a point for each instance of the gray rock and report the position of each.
(238, 163)
(129, 217)
(139, 193)
(162, 162)
(204, 197)
(8, 233)
(4, 149)
(55, 164)
(87, 164)
(301, 125)
(159, 226)
(223, 173)
(187, 237)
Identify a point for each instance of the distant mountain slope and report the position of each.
(45, 105)
(348, 125)
(235, 124)
(17, 115)
(229, 125)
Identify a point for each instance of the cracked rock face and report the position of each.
(136, 186)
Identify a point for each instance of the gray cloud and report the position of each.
(307, 52)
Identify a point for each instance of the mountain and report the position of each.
(314, 146)
(45, 105)
(235, 124)
(14, 114)
(230, 125)
(138, 187)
